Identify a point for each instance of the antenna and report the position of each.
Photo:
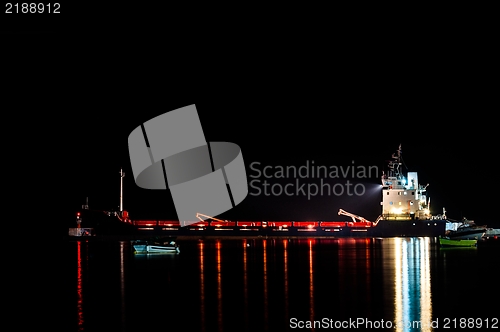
(394, 164)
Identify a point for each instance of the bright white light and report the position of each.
(397, 210)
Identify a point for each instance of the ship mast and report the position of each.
(394, 165)
(122, 175)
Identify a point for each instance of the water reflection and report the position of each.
(367, 271)
(264, 259)
(202, 286)
(122, 283)
(368, 261)
(245, 282)
(79, 286)
(412, 278)
(285, 278)
(311, 282)
(219, 287)
(261, 284)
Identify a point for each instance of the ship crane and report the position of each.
(354, 217)
(199, 216)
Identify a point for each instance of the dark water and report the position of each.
(282, 285)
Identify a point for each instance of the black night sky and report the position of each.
(284, 98)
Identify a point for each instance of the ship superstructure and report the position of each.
(403, 198)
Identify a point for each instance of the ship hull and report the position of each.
(110, 225)
(384, 228)
(469, 234)
(477, 235)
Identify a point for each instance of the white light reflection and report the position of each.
(413, 298)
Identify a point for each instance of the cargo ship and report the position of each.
(405, 213)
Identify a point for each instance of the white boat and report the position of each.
(155, 246)
(465, 230)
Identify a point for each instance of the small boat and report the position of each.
(155, 246)
(453, 242)
(465, 230)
